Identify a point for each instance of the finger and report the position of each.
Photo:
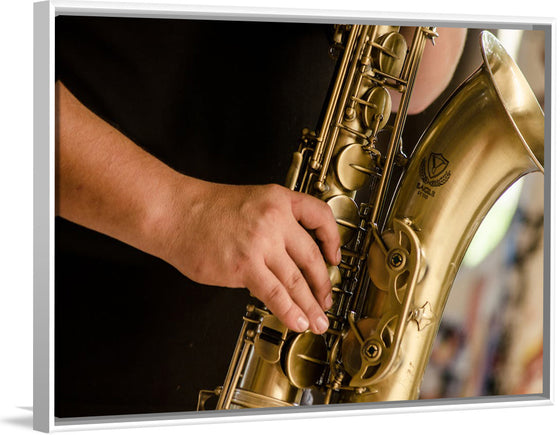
(306, 254)
(295, 284)
(264, 285)
(316, 215)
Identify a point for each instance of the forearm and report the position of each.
(106, 182)
(437, 66)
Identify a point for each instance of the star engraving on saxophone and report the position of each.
(423, 316)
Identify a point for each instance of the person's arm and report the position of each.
(436, 68)
(233, 236)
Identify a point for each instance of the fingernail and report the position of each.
(322, 324)
(302, 323)
(338, 256)
(327, 302)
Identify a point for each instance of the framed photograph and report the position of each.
(251, 214)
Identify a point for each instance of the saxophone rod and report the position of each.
(410, 69)
(338, 120)
(315, 161)
(371, 32)
(233, 372)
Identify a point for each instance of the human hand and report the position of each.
(257, 237)
(231, 236)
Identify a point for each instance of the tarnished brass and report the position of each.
(345, 211)
(306, 359)
(354, 167)
(397, 268)
(391, 54)
(270, 339)
(376, 108)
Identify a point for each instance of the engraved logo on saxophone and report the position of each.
(433, 172)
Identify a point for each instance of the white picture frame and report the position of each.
(43, 347)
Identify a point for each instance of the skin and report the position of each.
(255, 237)
(436, 68)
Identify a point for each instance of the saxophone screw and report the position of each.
(372, 350)
(396, 259)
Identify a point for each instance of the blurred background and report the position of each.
(491, 336)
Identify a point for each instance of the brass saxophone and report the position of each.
(400, 254)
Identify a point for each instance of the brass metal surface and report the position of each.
(345, 212)
(306, 358)
(354, 167)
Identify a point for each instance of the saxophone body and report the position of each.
(400, 252)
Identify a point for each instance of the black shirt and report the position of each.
(223, 101)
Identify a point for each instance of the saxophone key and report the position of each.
(376, 107)
(354, 167)
(391, 53)
(306, 359)
(346, 215)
